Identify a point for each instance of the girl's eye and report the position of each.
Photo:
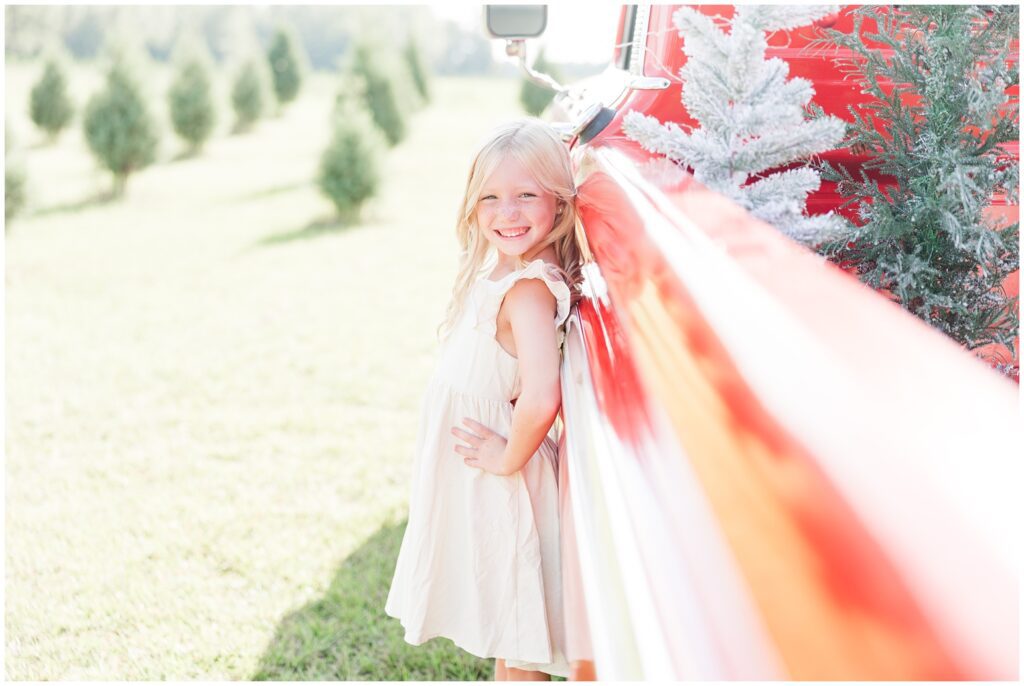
(521, 195)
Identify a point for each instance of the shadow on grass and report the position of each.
(345, 634)
(95, 200)
(241, 128)
(42, 144)
(185, 154)
(314, 229)
(272, 191)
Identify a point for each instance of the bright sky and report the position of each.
(576, 32)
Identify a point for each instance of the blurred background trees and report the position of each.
(246, 61)
(417, 70)
(326, 33)
(14, 178)
(50, 105)
(191, 98)
(386, 89)
(119, 125)
(350, 167)
(250, 92)
(14, 189)
(287, 64)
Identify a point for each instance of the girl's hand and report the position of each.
(486, 449)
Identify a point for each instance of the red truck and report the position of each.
(773, 472)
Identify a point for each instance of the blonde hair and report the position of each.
(538, 148)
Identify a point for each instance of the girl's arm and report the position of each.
(531, 309)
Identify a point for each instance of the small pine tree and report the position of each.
(350, 166)
(193, 113)
(14, 180)
(49, 104)
(935, 129)
(285, 65)
(753, 119)
(534, 97)
(386, 94)
(249, 93)
(418, 72)
(14, 189)
(119, 127)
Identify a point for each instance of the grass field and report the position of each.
(211, 398)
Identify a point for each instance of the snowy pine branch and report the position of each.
(752, 118)
(770, 18)
(928, 236)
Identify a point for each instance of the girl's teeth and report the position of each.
(513, 235)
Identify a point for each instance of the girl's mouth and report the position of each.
(517, 232)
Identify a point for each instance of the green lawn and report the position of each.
(212, 391)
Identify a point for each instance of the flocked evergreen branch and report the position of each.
(753, 119)
(937, 112)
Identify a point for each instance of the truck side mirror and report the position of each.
(514, 22)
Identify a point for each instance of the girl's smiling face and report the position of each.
(513, 211)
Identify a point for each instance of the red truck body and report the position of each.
(761, 451)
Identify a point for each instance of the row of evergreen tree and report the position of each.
(378, 92)
(14, 181)
(118, 123)
(371, 113)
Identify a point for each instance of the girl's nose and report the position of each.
(509, 208)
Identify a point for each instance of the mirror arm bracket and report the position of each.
(516, 47)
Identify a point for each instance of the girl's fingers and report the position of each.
(465, 435)
(476, 425)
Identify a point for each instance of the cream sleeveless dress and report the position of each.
(479, 563)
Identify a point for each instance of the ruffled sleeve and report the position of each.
(493, 292)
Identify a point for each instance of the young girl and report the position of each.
(479, 563)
